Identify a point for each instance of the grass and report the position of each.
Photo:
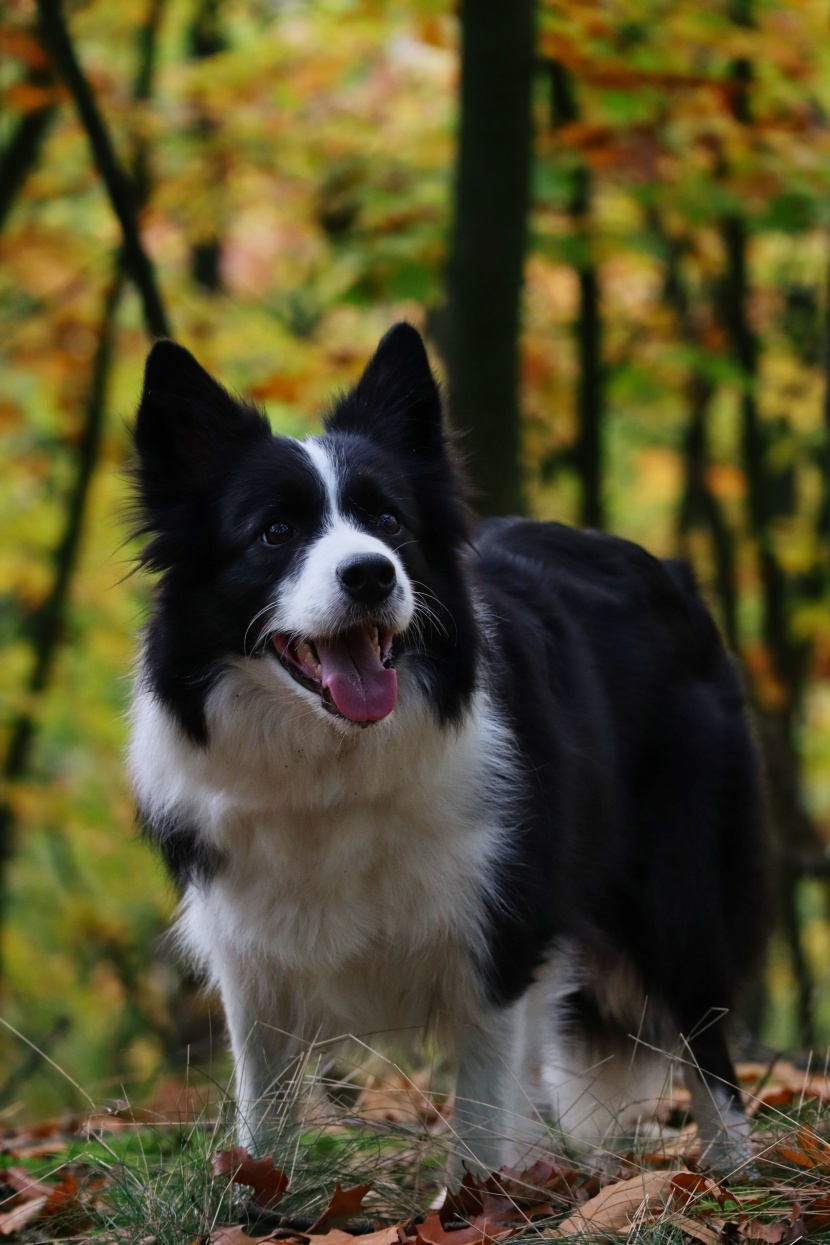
(150, 1182)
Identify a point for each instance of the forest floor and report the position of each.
(369, 1169)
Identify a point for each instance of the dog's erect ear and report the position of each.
(187, 427)
(396, 398)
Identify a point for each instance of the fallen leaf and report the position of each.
(817, 1214)
(614, 1208)
(771, 1233)
(24, 1184)
(804, 1149)
(815, 1146)
(509, 1194)
(344, 1205)
(705, 1232)
(13, 1220)
(684, 1144)
(64, 1204)
(465, 1201)
(235, 1236)
(432, 1232)
(691, 1186)
(383, 1236)
(774, 1096)
(269, 1183)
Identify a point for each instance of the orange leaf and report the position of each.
(807, 1151)
(268, 1183)
(21, 44)
(796, 1157)
(432, 1232)
(27, 97)
(344, 1205)
(776, 1096)
(817, 1214)
(814, 1145)
(279, 386)
(690, 1185)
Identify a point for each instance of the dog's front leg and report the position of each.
(266, 1061)
(491, 1115)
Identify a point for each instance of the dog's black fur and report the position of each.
(640, 831)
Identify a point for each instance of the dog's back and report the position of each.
(643, 859)
(630, 714)
(405, 772)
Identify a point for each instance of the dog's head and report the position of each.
(334, 559)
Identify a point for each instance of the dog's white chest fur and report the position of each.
(356, 865)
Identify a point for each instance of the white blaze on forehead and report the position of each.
(313, 603)
(326, 468)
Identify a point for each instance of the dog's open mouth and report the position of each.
(352, 672)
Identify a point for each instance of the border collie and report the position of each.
(408, 770)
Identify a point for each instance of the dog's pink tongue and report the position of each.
(361, 687)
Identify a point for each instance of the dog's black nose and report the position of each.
(368, 577)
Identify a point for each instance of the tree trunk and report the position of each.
(791, 824)
(206, 38)
(489, 232)
(587, 456)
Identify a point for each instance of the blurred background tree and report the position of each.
(611, 219)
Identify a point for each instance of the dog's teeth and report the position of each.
(306, 654)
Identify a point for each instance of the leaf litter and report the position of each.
(783, 1200)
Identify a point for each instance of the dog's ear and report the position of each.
(187, 430)
(187, 426)
(396, 399)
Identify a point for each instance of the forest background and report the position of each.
(612, 220)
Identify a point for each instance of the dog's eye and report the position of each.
(277, 534)
(389, 523)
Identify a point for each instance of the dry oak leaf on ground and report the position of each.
(268, 1182)
(477, 1232)
(510, 1196)
(804, 1149)
(619, 1206)
(781, 1085)
(500, 1206)
(236, 1236)
(345, 1204)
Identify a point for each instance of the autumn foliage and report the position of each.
(288, 171)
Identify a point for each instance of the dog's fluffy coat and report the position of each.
(411, 771)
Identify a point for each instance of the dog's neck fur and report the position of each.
(344, 851)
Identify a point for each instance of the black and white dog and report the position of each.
(411, 771)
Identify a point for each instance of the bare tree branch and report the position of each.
(120, 187)
(20, 155)
(46, 626)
